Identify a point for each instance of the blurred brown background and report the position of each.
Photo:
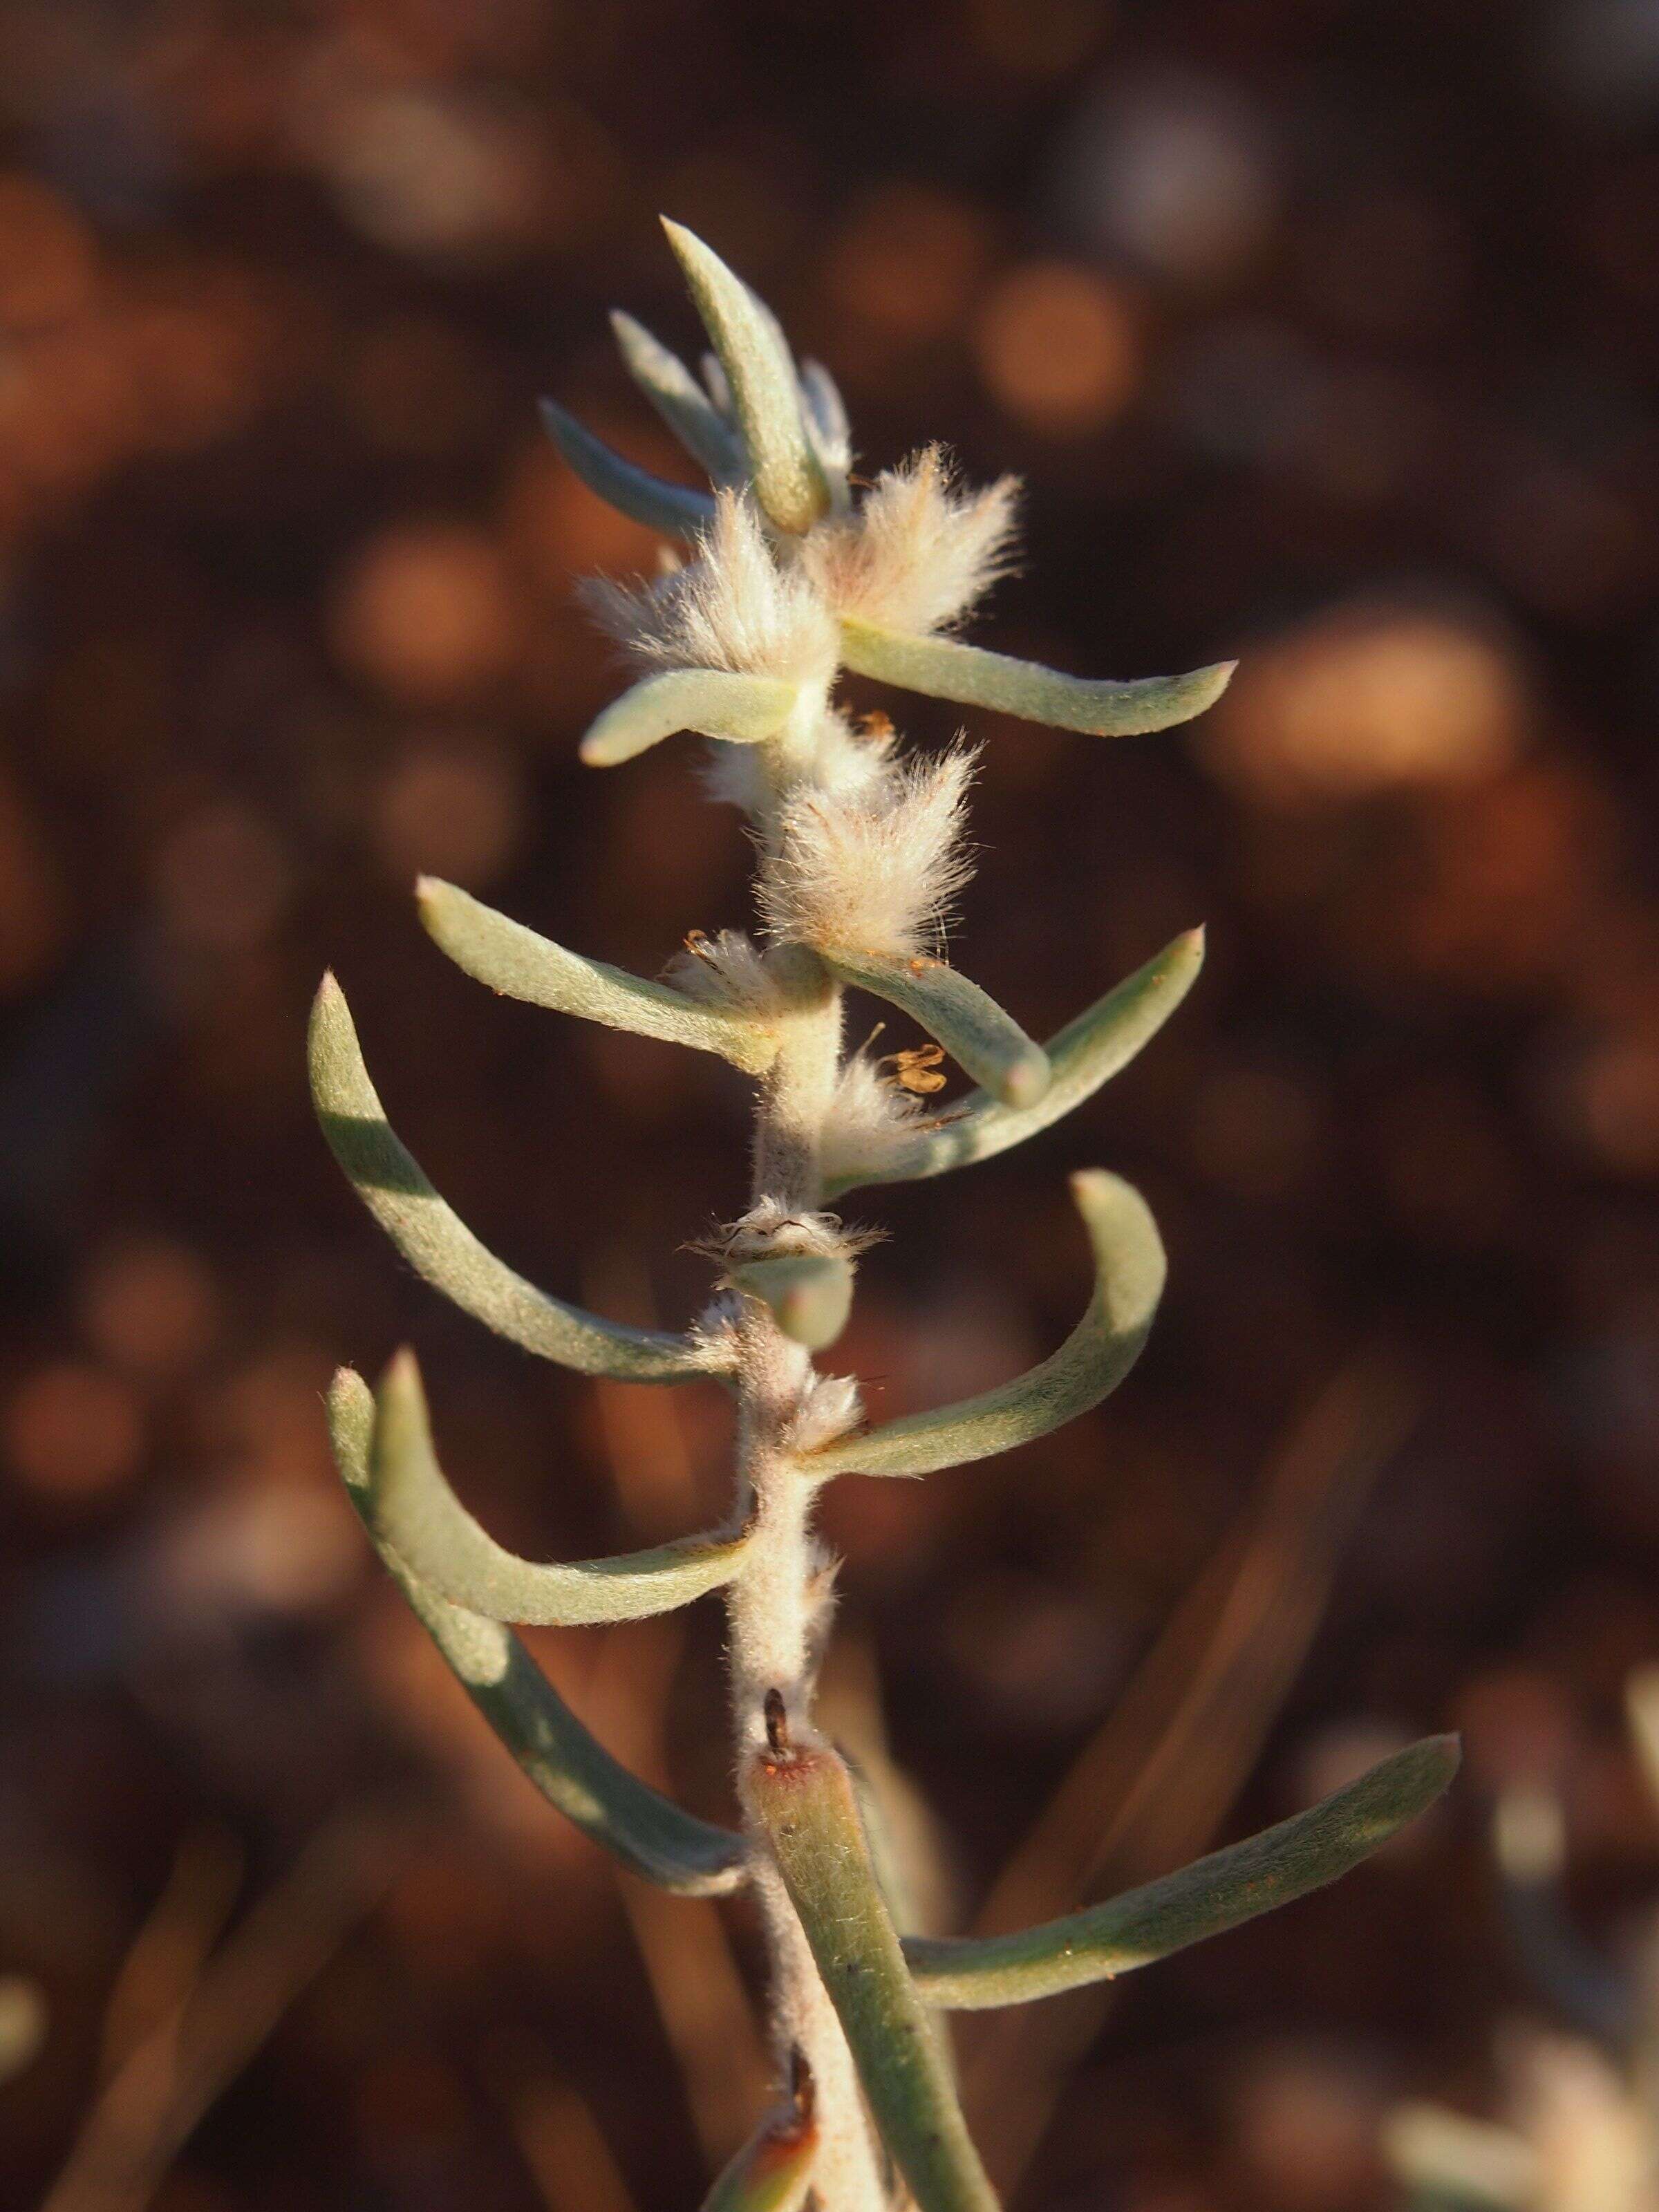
(1324, 335)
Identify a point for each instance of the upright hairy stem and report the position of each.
(777, 1607)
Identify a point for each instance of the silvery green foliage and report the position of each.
(788, 571)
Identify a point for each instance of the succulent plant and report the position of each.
(788, 571)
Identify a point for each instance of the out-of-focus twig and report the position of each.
(1154, 1785)
(567, 2155)
(159, 2093)
(167, 1956)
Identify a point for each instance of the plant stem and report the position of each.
(778, 1605)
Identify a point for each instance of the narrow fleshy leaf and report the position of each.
(649, 1833)
(1082, 1056)
(714, 702)
(679, 399)
(442, 1249)
(974, 1030)
(765, 396)
(810, 1293)
(418, 1517)
(1129, 1270)
(521, 965)
(943, 668)
(806, 1803)
(773, 2171)
(1214, 1893)
(675, 509)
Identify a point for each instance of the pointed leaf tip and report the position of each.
(788, 478)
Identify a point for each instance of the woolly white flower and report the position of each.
(728, 970)
(918, 553)
(872, 1122)
(735, 607)
(830, 1408)
(876, 871)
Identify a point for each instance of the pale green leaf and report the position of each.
(714, 702)
(1214, 1893)
(943, 668)
(517, 962)
(1081, 1057)
(442, 1249)
(810, 1293)
(826, 418)
(680, 400)
(787, 477)
(977, 1033)
(1129, 1270)
(649, 1833)
(417, 1515)
(805, 1802)
(674, 509)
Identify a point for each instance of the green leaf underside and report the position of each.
(772, 2172)
(1082, 1056)
(943, 668)
(649, 1833)
(1214, 1893)
(810, 1293)
(979, 1035)
(807, 1807)
(679, 399)
(444, 1251)
(520, 964)
(1094, 1360)
(418, 1517)
(765, 395)
(745, 710)
(674, 509)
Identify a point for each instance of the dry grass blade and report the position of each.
(152, 2105)
(1186, 1733)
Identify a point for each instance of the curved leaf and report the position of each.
(649, 1833)
(714, 702)
(417, 1515)
(765, 396)
(679, 399)
(442, 1249)
(674, 509)
(1129, 1269)
(943, 668)
(806, 1803)
(974, 1030)
(1214, 1893)
(826, 419)
(521, 965)
(1081, 1057)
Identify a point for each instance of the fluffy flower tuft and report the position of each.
(728, 971)
(733, 607)
(831, 1407)
(872, 1123)
(919, 552)
(875, 870)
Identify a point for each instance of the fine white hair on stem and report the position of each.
(728, 970)
(919, 553)
(873, 871)
(733, 607)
